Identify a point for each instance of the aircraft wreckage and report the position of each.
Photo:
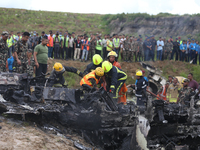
(99, 119)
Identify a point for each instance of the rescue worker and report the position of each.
(185, 92)
(173, 91)
(115, 78)
(140, 88)
(56, 77)
(122, 93)
(162, 93)
(92, 78)
(170, 79)
(96, 62)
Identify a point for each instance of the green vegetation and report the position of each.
(29, 20)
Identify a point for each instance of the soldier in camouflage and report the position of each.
(127, 46)
(135, 48)
(185, 93)
(23, 56)
(3, 51)
(141, 51)
(92, 46)
(168, 49)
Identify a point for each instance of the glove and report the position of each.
(81, 74)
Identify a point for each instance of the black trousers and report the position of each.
(42, 69)
(98, 52)
(70, 52)
(104, 53)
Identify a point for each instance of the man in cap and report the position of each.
(168, 50)
(170, 79)
(34, 40)
(154, 46)
(175, 49)
(3, 51)
(185, 92)
(148, 47)
(23, 57)
(193, 50)
(56, 41)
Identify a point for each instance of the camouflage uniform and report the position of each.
(92, 48)
(127, 46)
(134, 46)
(3, 55)
(184, 94)
(141, 51)
(22, 50)
(168, 50)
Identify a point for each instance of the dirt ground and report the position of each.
(19, 135)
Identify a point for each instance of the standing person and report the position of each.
(73, 49)
(71, 42)
(127, 47)
(56, 41)
(135, 49)
(41, 57)
(175, 49)
(116, 44)
(141, 50)
(92, 46)
(197, 50)
(180, 42)
(193, 50)
(160, 45)
(188, 51)
(23, 56)
(109, 45)
(77, 48)
(144, 48)
(193, 84)
(148, 46)
(34, 40)
(50, 44)
(122, 46)
(98, 46)
(65, 47)
(104, 43)
(40, 38)
(154, 46)
(183, 48)
(18, 37)
(3, 51)
(86, 48)
(10, 43)
(168, 50)
(82, 41)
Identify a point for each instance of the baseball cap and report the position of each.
(4, 33)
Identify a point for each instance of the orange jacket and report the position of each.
(50, 44)
(163, 94)
(85, 79)
(116, 64)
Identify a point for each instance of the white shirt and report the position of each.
(159, 48)
(122, 42)
(104, 42)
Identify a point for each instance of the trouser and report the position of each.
(182, 56)
(98, 52)
(147, 55)
(117, 51)
(107, 53)
(136, 56)
(56, 51)
(196, 55)
(50, 50)
(77, 53)
(159, 55)
(104, 53)
(125, 55)
(91, 53)
(70, 52)
(62, 52)
(167, 55)
(85, 54)
(180, 52)
(140, 101)
(10, 51)
(42, 69)
(130, 56)
(81, 52)
(121, 53)
(193, 56)
(199, 58)
(151, 55)
(65, 52)
(174, 52)
(190, 55)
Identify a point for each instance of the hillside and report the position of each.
(162, 24)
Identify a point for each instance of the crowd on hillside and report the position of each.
(81, 47)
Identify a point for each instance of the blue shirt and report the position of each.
(183, 47)
(10, 63)
(147, 43)
(85, 47)
(198, 48)
(192, 46)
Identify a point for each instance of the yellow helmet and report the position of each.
(139, 73)
(58, 67)
(112, 53)
(185, 80)
(107, 66)
(97, 59)
(99, 71)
